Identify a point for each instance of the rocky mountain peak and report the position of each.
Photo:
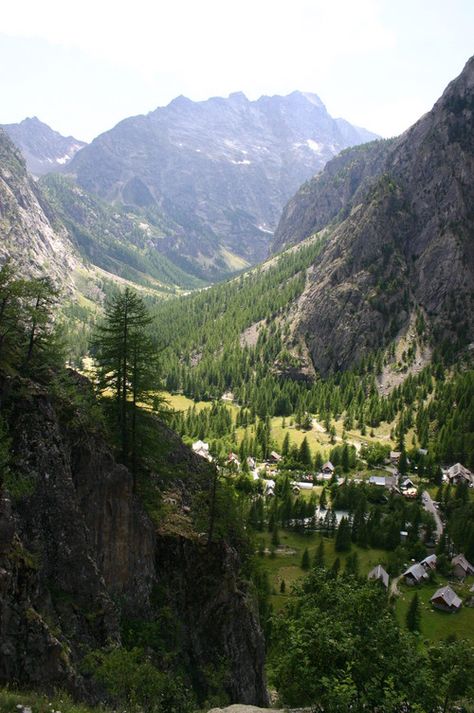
(43, 148)
(216, 172)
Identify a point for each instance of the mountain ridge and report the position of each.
(403, 242)
(217, 171)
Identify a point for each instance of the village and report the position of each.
(447, 591)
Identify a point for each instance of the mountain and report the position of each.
(30, 233)
(81, 248)
(217, 173)
(399, 226)
(113, 240)
(330, 195)
(43, 148)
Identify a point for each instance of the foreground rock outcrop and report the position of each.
(79, 555)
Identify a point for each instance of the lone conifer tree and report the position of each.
(127, 366)
(413, 614)
(305, 559)
(319, 559)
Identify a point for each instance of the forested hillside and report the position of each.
(113, 240)
(239, 337)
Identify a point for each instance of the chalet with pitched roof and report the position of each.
(459, 474)
(416, 574)
(378, 573)
(461, 567)
(429, 563)
(446, 599)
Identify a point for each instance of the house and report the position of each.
(415, 574)
(377, 480)
(459, 474)
(423, 451)
(384, 481)
(429, 563)
(461, 567)
(446, 599)
(201, 448)
(407, 484)
(275, 457)
(302, 485)
(328, 468)
(269, 486)
(233, 460)
(395, 457)
(378, 573)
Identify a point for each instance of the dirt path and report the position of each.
(394, 590)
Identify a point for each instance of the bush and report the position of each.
(131, 678)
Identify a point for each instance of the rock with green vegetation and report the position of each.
(400, 237)
(87, 565)
(29, 234)
(114, 239)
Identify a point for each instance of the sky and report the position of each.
(83, 67)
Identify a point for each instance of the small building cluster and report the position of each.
(444, 598)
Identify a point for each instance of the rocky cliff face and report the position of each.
(331, 194)
(217, 173)
(401, 236)
(79, 554)
(43, 148)
(29, 233)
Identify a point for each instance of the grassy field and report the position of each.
(317, 437)
(286, 562)
(435, 624)
(179, 402)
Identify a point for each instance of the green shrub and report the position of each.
(130, 677)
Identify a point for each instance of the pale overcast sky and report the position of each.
(83, 67)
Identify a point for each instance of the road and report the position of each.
(429, 507)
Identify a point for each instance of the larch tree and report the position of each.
(127, 367)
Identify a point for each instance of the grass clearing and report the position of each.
(285, 564)
(435, 624)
